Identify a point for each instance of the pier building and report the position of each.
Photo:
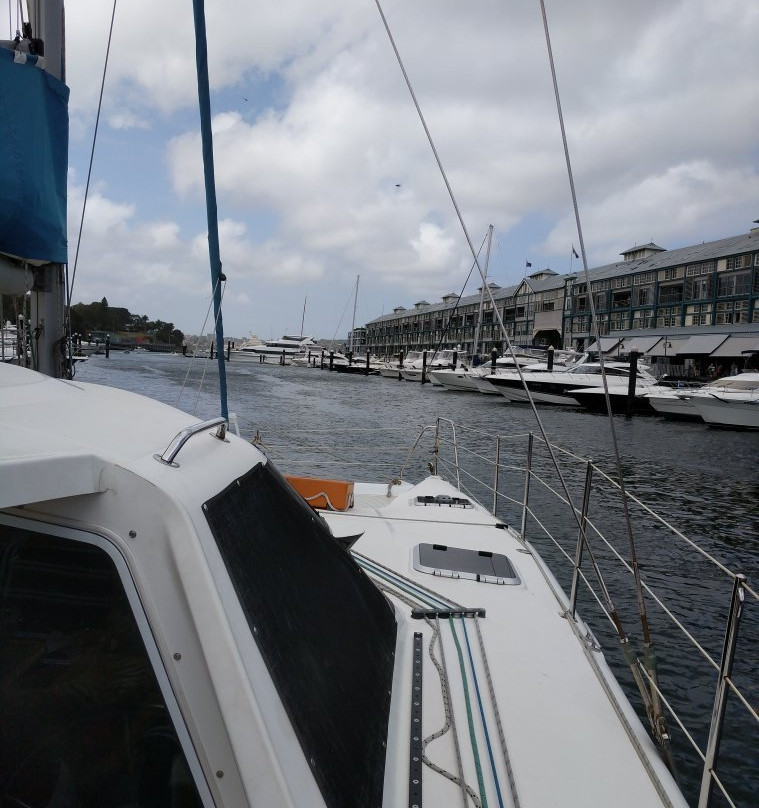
(654, 300)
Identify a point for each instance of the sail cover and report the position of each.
(33, 160)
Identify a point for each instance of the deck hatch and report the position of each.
(444, 500)
(459, 562)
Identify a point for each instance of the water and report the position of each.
(702, 481)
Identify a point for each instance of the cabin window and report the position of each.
(457, 562)
(325, 632)
(85, 721)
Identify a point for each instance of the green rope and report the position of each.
(469, 718)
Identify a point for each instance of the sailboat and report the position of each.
(182, 625)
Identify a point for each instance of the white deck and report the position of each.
(566, 743)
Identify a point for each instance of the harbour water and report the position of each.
(704, 482)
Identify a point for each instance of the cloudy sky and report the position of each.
(324, 172)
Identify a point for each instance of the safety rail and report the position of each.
(585, 531)
(513, 475)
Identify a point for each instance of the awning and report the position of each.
(734, 346)
(608, 344)
(668, 346)
(642, 345)
(702, 343)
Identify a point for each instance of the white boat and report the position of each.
(552, 387)
(475, 379)
(732, 401)
(415, 369)
(674, 402)
(179, 627)
(282, 350)
(254, 666)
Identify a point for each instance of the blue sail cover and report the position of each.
(33, 160)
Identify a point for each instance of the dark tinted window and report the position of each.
(326, 633)
(82, 719)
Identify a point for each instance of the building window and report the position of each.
(738, 262)
(670, 294)
(737, 284)
(698, 288)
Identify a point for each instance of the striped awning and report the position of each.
(702, 344)
(735, 346)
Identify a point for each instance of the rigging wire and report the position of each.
(658, 717)
(70, 288)
(499, 319)
(655, 714)
(70, 370)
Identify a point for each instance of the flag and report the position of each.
(574, 252)
(527, 264)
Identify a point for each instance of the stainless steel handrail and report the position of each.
(181, 438)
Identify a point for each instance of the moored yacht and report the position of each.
(282, 350)
(552, 387)
(414, 369)
(473, 379)
(732, 401)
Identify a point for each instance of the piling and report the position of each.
(550, 358)
(331, 360)
(424, 366)
(107, 345)
(493, 357)
(366, 370)
(631, 384)
(455, 358)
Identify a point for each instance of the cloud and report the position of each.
(323, 169)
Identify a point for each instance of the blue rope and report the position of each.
(482, 716)
(403, 584)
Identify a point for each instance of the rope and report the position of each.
(498, 722)
(194, 353)
(482, 716)
(469, 717)
(450, 722)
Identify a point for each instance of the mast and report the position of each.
(303, 316)
(355, 302)
(33, 252)
(217, 277)
(476, 345)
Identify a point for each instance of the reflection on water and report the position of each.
(702, 481)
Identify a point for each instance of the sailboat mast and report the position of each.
(204, 99)
(355, 302)
(33, 252)
(476, 345)
(303, 316)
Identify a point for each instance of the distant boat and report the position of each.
(282, 350)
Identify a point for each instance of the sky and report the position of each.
(324, 172)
